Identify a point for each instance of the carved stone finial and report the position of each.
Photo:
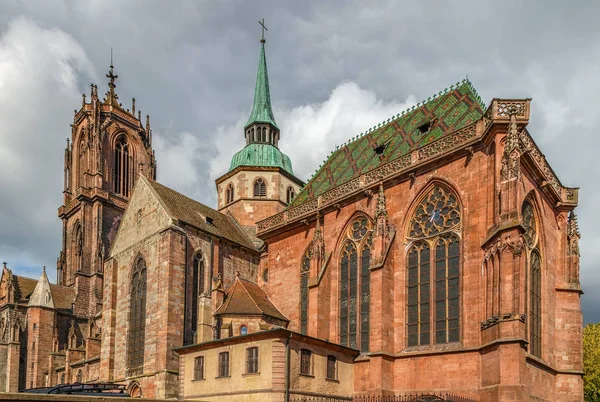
(133, 106)
(4, 263)
(381, 214)
(318, 243)
(82, 100)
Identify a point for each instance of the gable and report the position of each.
(144, 216)
(438, 116)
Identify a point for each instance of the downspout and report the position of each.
(286, 395)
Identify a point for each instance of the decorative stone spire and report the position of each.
(111, 95)
(510, 159)
(381, 214)
(318, 244)
(573, 235)
(261, 108)
(42, 296)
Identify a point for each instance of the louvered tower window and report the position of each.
(433, 268)
(535, 278)
(137, 318)
(123, 163)
(229, 194)
(260, 188)
(355, 262)
(290, 194)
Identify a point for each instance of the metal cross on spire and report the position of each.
(111, 75)
(264, 28)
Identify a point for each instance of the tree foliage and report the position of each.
(591, 362)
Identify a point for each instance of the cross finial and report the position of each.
(264, 28)
(111, 75)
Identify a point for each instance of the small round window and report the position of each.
(243, 330)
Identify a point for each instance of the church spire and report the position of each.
(261, 109)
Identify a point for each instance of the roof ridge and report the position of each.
(228, 299)
(404, 112)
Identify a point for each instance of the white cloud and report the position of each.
(310, 132)
(40, 83)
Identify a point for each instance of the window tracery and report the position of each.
(355, 260)
(122, 167)
(433, 268)
(137, 317)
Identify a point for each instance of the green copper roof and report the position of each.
(261, 109)
(261, 155)
(445, 112)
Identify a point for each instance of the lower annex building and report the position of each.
(436, 252)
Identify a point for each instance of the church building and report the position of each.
(435, 253)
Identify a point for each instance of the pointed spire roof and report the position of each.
(42, 295)
(261, 109)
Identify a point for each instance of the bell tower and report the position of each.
(260, 181)
(109, 148)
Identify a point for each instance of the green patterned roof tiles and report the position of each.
(446, 112)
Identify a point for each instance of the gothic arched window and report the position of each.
(260, 188)
(304, 272)
(79, 377)
(535, 279)
(198, 287)
(264, 134)
(229, 194)
(433, 267)
(137, 317)
(290, 194)
(355, 260)
(122, 167)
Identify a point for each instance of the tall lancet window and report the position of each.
(535, 278)
(123, 165)
(355, 261)
(433, 267)
(137, 318)
(198, 288)
(304, 272)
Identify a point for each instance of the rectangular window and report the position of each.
(252, 360)
(224, 364)
(305, 360)
(331, 366)
(199, 368)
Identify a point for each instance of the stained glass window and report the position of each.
(137, 317)
(433, 268)
(304, 272)
(355, 263)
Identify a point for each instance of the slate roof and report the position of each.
(194, 213)
(446, 112)
(25, 287)
(247, 298)
(62, 296)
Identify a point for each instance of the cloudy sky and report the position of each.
(335, 69)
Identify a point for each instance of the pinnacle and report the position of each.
(261, 108)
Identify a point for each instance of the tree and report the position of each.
(591, 362)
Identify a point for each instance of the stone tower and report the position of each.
(109, 149)
(260, 181)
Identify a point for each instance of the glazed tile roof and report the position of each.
(445, 112)
(194, 213)
(247, 298)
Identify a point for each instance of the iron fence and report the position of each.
(429, 397)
